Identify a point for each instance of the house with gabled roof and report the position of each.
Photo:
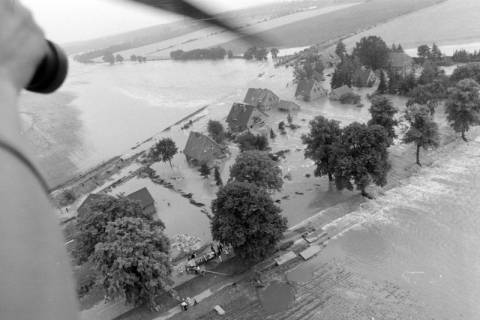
(309, 90)
(337, 93)
(264, 99)
(364, 77)
(401, 62)
(245, 117)
(201, 149)
(143, 196)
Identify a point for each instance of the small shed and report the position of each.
(338, 92)
(287, 106)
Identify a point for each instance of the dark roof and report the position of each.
(239, 115)
(89, 200)
(143, 196)
(257, 95)
(364, 74)
(202, 148)
(342, 90)
(400, 59)
(304, 87)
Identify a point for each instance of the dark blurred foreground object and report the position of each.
(51, 72)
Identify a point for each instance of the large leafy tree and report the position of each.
(423, 130)
(429, 95)
(258, 168)
(463, 106)
(164, 150)
(322, 145)
(245, 217)
(92, 224)
(383, 85)
(340, 49)
(383, 114)
(364, 159)
(133, 261)
(372, 52)
(343, 74)
(424, 52)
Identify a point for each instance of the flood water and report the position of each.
(420, 239)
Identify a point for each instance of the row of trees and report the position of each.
(215, 53)
(310, 69)
(259, 54)
(112, 59)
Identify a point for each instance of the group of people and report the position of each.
(193, 264)
(187, 302)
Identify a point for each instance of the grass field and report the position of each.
(337, 24)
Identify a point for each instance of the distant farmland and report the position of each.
(336, 24)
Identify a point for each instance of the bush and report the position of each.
(67, 197)
(249, 141)
(349, 98)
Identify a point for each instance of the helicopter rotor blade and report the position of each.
(185, 8)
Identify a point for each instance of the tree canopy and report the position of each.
(258, 168)
(322, 145)
(463, 106)
(340, 49)
(164, 150)
(250, 141)
(133, 261)
(216, 130)
(423, 130)
(245, 217)
(363, 158)
(383, 114)
(91, 226)
(372, 52)
(468, 71)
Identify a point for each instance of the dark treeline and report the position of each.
(464, 56)
(216, 53)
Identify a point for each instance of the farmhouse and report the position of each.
(143, 196)
(364, 77)
(401, 62)
(245, 117)
(201, 149)
(309, 90)
(265, 99)
(146, 200)
(338, 92)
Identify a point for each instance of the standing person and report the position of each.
(35, 279)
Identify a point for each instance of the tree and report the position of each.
(429, 95)
(164, 150)
(108, 57)
(467, 71)
(119, 58)
(363, 157)
(340, 49)
(218, 177)
(245, 217)
(133, 57)
(216, 130)
(382, 86)
(383, 114)
(258, 168)
(204, 170)
(430, 72)
(372, 52)
(289, 119)
(436, 53)
(230, 54)
(274, 52)
(134, 261)
(91, 226)
(463, 106)
(424, 52)
(272, 134)
(423, 130)
(249, 141)
(322, 145)
(343, 74)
